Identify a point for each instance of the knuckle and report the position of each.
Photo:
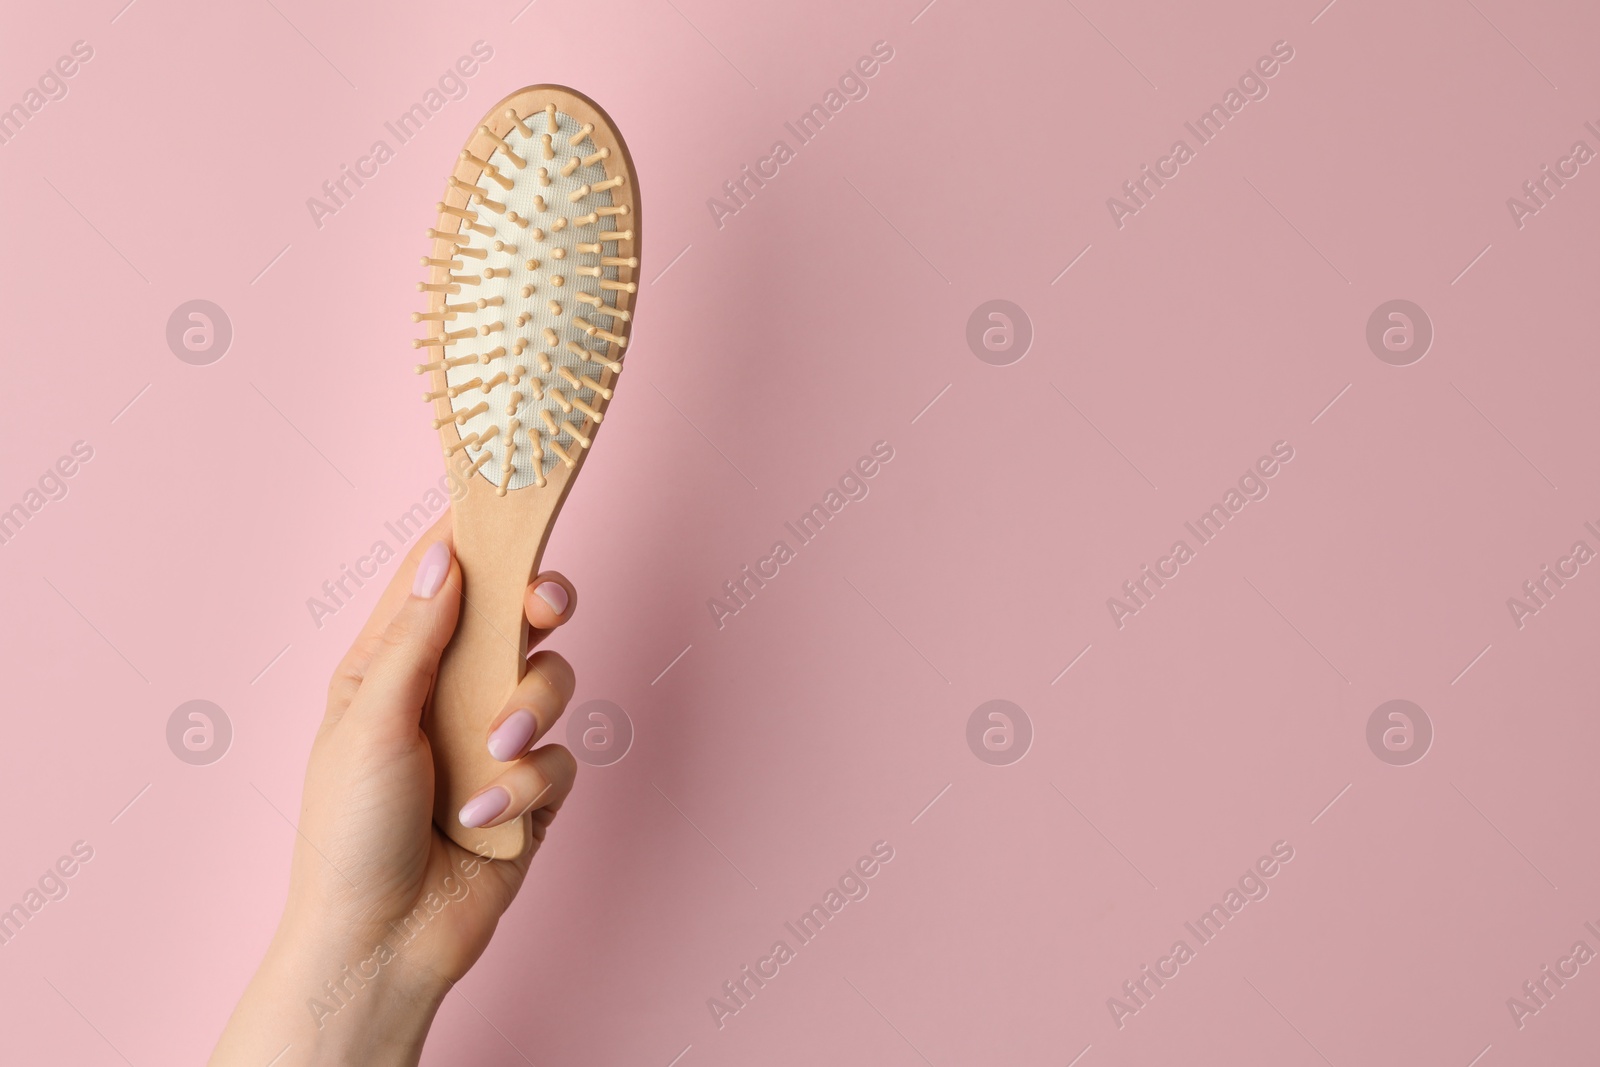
(556, 673)
(564, 765)
(344, 683)
(395, 637)
(408, 631)
(352, 669)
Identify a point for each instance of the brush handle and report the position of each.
(499, 550)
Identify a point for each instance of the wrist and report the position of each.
(358, 1000)
(330, 998)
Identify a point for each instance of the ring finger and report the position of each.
(542, 779)
(534, 707)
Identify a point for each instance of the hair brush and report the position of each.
(531, 284)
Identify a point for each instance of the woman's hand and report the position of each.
(385, 913)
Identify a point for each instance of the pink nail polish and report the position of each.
(432, 570)
(511, 737)
(483, 807)
(552, 593)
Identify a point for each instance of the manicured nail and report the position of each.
(483, 807)
(552, 593)
(432, 571)
(511, 737)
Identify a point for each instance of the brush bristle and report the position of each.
(545, 242)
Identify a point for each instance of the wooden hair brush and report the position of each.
(531, 284)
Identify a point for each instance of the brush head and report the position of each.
(532, 276)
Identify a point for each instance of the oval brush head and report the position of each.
(531, 282)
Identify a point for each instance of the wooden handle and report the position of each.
(499, 551)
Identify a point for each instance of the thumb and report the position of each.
(407, 657)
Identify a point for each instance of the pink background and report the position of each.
(825, 716)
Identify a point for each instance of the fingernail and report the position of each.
(431, 572)
(483, 807)
(511, 737)
(552, 593)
